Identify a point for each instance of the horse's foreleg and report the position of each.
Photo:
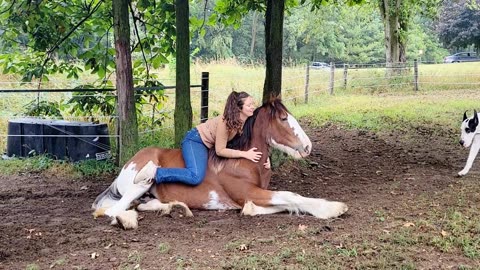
(268, 202)
(251, 209)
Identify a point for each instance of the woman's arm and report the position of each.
(221, 138)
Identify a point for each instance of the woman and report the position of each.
(215, 132)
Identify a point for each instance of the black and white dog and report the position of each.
(470, 138)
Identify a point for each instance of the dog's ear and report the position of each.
(464, 116)
(475, 117)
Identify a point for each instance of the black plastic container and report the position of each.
(61, 139)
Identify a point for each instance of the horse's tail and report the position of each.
(108, 197)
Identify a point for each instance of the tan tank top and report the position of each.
(214, 133)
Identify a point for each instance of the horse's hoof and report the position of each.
(336, 209)
(127, 219)
(188, 212)
(100, 212)
(248, 209)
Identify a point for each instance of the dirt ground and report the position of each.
(47, 221)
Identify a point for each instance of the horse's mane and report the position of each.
(242, 141)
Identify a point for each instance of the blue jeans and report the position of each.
(195, 154)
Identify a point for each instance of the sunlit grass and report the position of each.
(441, 111)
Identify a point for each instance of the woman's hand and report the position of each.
(253, 155)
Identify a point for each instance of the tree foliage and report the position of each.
(334, 33)
(459, 24)
(48, 37)
(41, 38)
(339, 33)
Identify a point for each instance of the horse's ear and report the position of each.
(464, 116)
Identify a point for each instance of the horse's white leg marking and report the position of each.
(474, 148)
(146, 173)
(251, 209)
(153, 205)
(166, 208)
(127, 219)
(134, 193)
(129, 190)
(292, 202)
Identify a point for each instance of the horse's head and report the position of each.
(283, 131)
(272, 125)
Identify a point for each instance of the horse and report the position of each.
(229, 184)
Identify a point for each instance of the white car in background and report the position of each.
(319, 65)
(461, 57)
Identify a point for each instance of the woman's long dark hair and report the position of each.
(231, 114)
(242, 141)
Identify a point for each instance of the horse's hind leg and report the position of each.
(165, 208)
(132, 193)
(118, 213)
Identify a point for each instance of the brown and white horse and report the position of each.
(228, 184)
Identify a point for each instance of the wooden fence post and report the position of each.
(332, 75)
(204, 97)
(345, 74)
(307, 81)
(415, 74)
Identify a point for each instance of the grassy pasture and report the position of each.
(370, 100)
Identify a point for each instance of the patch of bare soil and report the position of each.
(46, 221)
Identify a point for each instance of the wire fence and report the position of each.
(298, 85)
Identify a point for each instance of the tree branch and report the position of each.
(7, 9)
(57, 44)
(139, 40)
(204, 16)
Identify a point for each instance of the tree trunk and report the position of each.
(395, 47)
(127, 116)
(183, 107)
(273, 48)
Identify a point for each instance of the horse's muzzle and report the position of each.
(305, 152)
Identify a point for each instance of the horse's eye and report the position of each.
(467, 130)
(284, 118)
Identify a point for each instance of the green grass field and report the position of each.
(370, 101)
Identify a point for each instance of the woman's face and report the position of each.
(248, 107)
